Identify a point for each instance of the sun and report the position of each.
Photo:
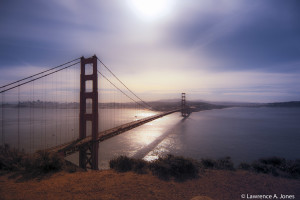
(151, 9)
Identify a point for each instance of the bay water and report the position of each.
(244, 134)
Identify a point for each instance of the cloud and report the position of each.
(208, 50)
(256, 36)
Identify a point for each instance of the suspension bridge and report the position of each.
(71, 108)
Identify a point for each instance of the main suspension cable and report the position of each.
(39, 77)
(39, 73)
(125, 85)
(118, 88)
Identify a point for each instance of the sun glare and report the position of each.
(151, 9)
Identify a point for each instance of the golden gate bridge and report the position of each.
(71, 108)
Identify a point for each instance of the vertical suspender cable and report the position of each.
(3, 115)
(44, 112)
(65, 107)
(30, 120)
(114, 107)
(33, 116)
(74, 102)
(60, 111)
(18, 118)
(41, 133)
(56, 137)
(66, 132)
(32, 105)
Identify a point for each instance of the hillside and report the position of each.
(215, 184)
(290, 104)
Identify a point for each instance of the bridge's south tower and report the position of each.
(88, 154)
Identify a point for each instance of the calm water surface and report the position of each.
(34, 129)
(244, 134)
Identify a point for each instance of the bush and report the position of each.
(274, 161)
(121, 164)
(260, 167)
(208, 163)
(124, 164)
(225, 163)
(10, 158)
(292, 167)
(222, 163)
(244, 166)
(164, 167)
(174, 166)
(277, 167)
(140, 166)
(160, 169)
(44, 162)
(182, 168)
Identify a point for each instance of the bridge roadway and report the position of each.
(74, 146)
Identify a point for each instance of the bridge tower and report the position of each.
(88, 155)
(184, 109)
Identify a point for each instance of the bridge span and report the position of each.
(29, 100)
(77, 145)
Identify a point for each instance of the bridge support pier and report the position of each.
(88, 155)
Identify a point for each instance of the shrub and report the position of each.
(124, 164)
(164, 167)
(140, 166)
(160, 169)
(225, 163)
(44, 161)
(278, 167)
(244, 166)
(260, 167)
(10, 158)
(274, 161)
(121, 164)
(274, 165)
(208, 163)
(175, 166)
(222, 163)
(292, 167)
(49, 161)
(182, 168)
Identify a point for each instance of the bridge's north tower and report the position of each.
(88, 154)
(184, 108)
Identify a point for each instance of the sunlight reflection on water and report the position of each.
(244, 134)
(137, 142)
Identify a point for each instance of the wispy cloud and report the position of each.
(198, 47)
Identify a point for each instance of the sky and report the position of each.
(214, 50)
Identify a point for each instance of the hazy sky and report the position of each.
(217, 50)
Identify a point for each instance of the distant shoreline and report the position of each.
(195, 106)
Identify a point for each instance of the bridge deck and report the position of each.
(72, 147)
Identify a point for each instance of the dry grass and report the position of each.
(108, 184)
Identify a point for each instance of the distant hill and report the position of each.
(290, 104)
(239, 104)
(170, 104)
